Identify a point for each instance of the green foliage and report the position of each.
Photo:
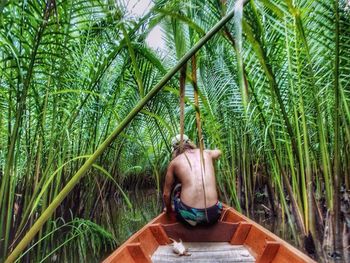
(70, 72)
(83, 240)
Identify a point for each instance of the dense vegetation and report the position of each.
(274, 96)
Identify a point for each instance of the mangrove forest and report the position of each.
(93, 91)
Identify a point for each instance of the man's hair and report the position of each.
(187, 145)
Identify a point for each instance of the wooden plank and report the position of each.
(220, 232)
(241, 233)
(204, 246)
(159, 233)
(269, 253)
(207, 246)
(147, 240)
(137, 253)
(122, 256)
(204, 252)
(229, 215)
(284, 255)
(256, 240)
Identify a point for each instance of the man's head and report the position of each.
(176, 143)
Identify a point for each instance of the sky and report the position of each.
(137, 8)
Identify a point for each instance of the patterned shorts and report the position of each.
(195, 216)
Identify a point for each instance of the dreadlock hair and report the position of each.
(188, 145)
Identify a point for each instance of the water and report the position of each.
(127, 221)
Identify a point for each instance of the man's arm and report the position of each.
(215, 154)
(169, 180)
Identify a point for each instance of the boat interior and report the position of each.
(234, 238)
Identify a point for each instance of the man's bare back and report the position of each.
(186, 167)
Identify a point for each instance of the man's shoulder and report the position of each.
(174, 161)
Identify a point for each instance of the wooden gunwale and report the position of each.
(271, 236)
(261, 243)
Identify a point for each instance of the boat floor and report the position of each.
(204, 252)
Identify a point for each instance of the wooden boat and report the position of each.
(234, 238)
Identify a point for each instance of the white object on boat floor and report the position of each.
(214, 252)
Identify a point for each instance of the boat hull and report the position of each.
(232, 227)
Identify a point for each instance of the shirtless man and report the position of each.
(189, 200)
